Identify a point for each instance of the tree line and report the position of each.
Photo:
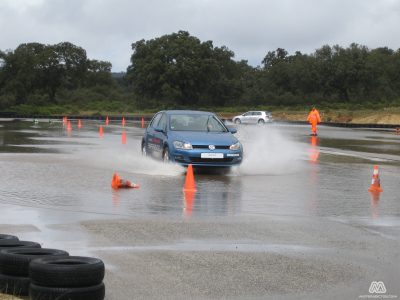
(180, 71)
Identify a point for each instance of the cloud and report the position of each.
(107, 28)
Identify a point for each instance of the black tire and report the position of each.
(70, 271)
(12, 285)
(165, 155)
(237, 121)
(7, 237)
(96, 292)
(16, 261)
(8, 244)
(144, 150)
(261, 121)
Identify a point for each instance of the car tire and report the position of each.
(70, 271)
(165, 155)
(261, 122)
(16, 261)
(237, 121)
(7, 237)
(96, 292)
(9, 244)
(144, 150)
(13, 285)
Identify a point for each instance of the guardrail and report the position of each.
(148, 118)
(75, 117)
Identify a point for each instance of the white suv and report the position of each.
(253, 117)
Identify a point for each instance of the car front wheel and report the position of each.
(237, 121)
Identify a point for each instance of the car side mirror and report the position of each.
(232, 130)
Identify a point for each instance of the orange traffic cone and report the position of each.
(123, 137)
(101, 131)
(190, 185)
(107, 121)
(79, 124)
(123, 121)
(117, 183)
(376, 182)
(142, 122)
(69, 127)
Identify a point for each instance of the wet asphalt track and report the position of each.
(294, 221)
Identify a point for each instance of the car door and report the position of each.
(256, 116)
(160, 135)
(246, 117)
(251, 118)
(151, 134)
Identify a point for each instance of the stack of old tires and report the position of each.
(13, 271)
(48, 274)
(67, 278)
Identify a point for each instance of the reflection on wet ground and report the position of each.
(286, 173)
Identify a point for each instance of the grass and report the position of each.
(329, 113)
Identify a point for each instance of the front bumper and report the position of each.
(194, 157)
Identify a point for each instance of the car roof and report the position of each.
(263, 111)
(187, 112)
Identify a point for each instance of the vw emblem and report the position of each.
(211, 147)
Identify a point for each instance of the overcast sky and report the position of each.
(250, 28)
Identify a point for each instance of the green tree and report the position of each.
(179, 69)
(36, 71)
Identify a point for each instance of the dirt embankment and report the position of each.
(10, 297)
(356, 117)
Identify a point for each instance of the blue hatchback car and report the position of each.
(192, 137)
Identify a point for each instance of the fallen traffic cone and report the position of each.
(101, 131)
(117, 183)
(79, 124)
(190, 185)
(376, 182)
(123, 137)
(107, 121)
(142, 122)
(123, 121)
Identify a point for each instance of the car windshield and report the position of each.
(195, 122)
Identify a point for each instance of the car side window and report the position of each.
(163, 122)
(247, 114)
(155, 120)
(257, 113)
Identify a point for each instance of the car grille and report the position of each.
(211, 160)
(206, 147)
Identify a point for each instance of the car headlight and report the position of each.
(235, 146)
(183, 145)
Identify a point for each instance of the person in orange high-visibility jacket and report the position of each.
(314, 118)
